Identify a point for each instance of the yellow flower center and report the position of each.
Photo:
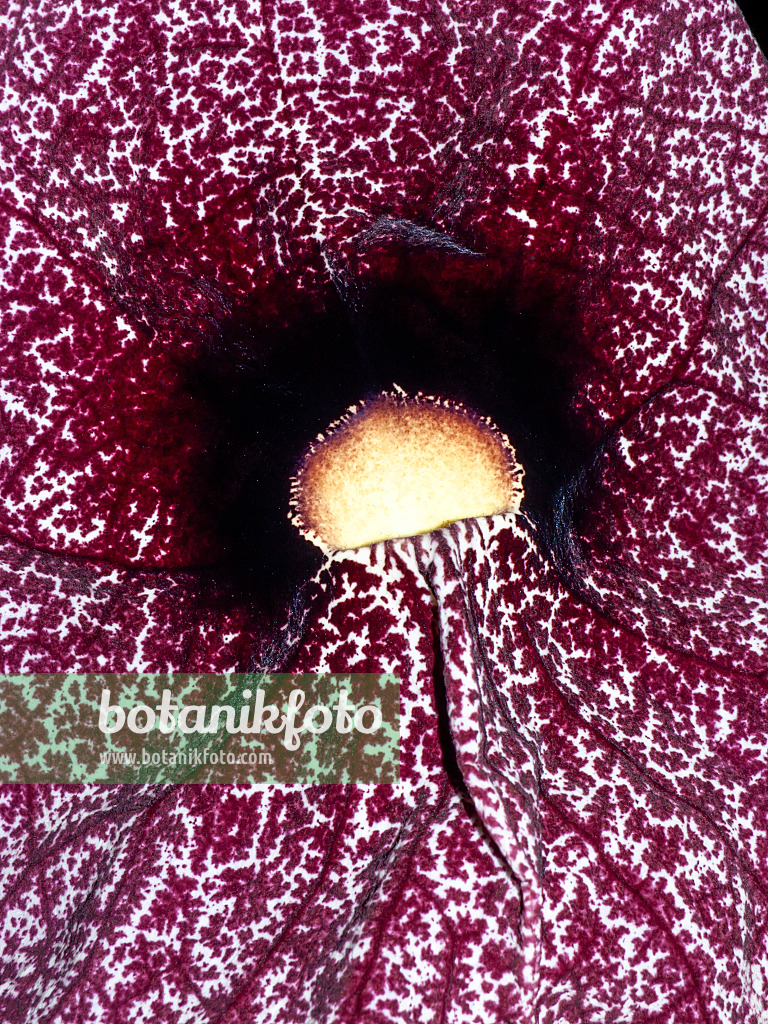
(400, 466)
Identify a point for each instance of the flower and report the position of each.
(581, 830)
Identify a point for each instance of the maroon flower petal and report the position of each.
(623, 779)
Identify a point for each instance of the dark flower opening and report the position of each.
(410, 308)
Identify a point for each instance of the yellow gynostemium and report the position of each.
(397, 466)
